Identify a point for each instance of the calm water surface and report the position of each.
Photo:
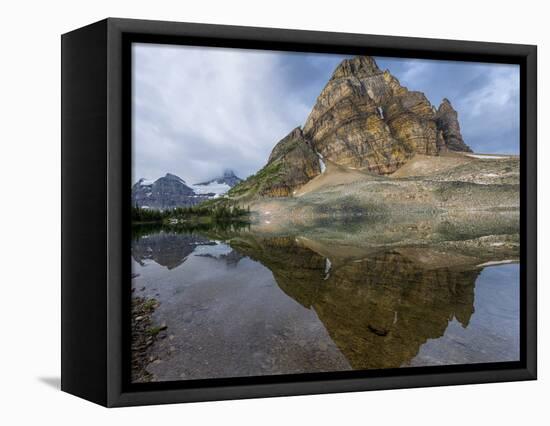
(250, 305)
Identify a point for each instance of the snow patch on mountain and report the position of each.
(171, 191)
(322, 164)
(211, 188)
(145, 182)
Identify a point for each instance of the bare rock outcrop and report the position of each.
(449, 128)
(166, 192)
(292, 163)
(364, 118)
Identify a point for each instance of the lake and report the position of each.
(239, 303)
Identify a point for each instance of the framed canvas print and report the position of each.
(253, 212)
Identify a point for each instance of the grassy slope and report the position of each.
(254, 185)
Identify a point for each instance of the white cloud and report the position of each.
(486, 97)
(490, 113)
(501, 91)
(200, 110)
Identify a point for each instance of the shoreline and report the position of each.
(144, 334)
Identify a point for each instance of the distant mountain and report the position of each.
(171, 191)
(166, 192)
(228, 178)
(219, 185)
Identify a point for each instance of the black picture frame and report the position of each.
(96, 181)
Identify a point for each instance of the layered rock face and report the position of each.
(292, 163)
(449, 129)
(365, 119)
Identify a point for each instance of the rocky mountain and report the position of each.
(166, 192)
(449, 129)
(172, 191)
(364, 119)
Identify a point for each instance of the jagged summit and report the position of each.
(449, 129)
(359, 66)
(228, 178)
(171, 176)
(229, 173)
(365, 119)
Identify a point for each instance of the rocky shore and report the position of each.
(144, 334)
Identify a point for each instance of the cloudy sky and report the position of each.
(198, 111)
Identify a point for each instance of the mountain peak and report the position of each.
(173, 177)
(446, 104)
(359, 66)
(447, 123)
(365, 119)
(229, 173)
(228, 178)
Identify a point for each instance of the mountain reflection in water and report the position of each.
(242, 304)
